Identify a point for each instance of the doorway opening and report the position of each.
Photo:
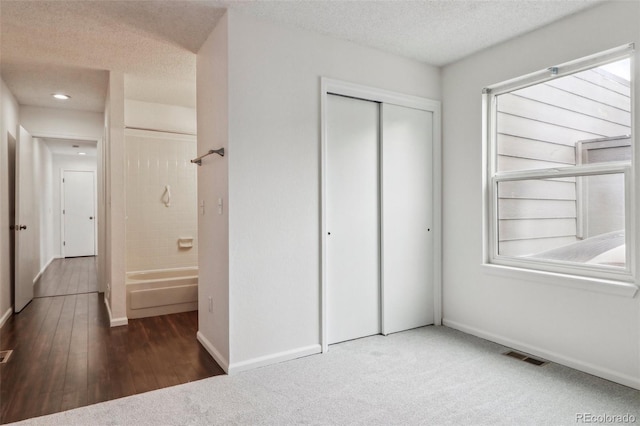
(161, 220)
(41, 202)
(65, 353)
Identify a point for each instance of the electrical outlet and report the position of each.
(210, 304)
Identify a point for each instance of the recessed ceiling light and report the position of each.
(82, 153)
(61, 96)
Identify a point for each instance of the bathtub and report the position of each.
(161, 292)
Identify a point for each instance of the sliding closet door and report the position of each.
(352, 219)
(407, 194)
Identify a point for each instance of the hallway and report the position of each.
(74, 275)
(65, 355)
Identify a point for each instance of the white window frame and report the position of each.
(582, 148)
(492, 178)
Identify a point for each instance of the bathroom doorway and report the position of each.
(161, 219)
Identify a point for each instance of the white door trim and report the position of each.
(331, 86)
(62, 207)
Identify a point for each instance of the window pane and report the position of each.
(576, 119)
(603, 150)
(579, 219)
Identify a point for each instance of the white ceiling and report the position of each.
(62, 45)
(71, 147)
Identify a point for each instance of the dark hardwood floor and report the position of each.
(65, 355)
(68, 276)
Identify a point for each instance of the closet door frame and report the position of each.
(337, 87)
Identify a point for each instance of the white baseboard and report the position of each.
(576, 364)
(44, 268)
(262, 361)
(5, 317)
(115, 322)
(215, 354)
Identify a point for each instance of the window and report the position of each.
(559, 162)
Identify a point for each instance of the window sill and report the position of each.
(599, 285)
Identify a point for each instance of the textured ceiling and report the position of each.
(62, 45)
(68, 45)
(437, 32)
(71, 147)
(33, 84)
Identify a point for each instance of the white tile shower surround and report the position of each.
(154, 160)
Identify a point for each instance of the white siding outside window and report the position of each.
(558, 168)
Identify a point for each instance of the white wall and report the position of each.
(104, 196)
(212, 80)
(163, 117)
(115, 230)
(42, 167)
(9, 116)
(274, 179)
(589, 330)
(111, 202)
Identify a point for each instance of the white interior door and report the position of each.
(407, 197)
(353, 219)
(79, 213)
(26, 239)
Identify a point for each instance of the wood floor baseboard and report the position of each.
(250, 364)
(5, 317)
(44, 268)
(215, 354)
(115, 322)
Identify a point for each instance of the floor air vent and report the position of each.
(4, 356)
(525, 358)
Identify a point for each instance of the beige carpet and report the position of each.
(431, 376)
